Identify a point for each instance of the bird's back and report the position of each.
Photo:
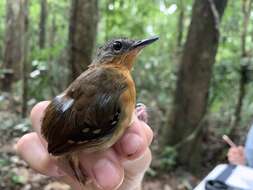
(90, 112)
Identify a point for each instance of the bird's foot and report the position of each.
(141, 112)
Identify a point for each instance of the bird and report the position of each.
(96, 108)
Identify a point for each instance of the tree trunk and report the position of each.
(180, 23)
(194, 77)
(51, 61)
(12, 61)
(82, 35)
(24, 43)
(246, 9)
(43, 23)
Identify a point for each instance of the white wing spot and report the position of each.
(65, 104)
(82, 142)
(96, 131)
(114, 122)
(85, 130)
(71, 142)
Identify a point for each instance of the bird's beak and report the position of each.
(134, 50)
(143, 43)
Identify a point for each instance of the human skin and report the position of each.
(236, 155)
(121, 167)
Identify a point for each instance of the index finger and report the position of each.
(30, 148)
(228, 141)
(37, 114)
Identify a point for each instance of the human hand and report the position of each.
(120, 167)
(236, 155)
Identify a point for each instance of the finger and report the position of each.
(241, 148)
(104, 168)
(232, 161)
(76, 185)
(234, 150)
(137, 166)
(29, 147)
(135, 170)
(37, 115)
(148, 132)
(135, 141)
(233, 158)
(233, 153)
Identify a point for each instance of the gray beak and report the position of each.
(143, 43)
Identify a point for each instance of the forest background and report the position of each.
(196, 80)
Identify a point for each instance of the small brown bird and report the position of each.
(96, 109)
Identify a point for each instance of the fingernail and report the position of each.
(107, 176)
(130, 144)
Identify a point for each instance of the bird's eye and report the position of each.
(117, 45)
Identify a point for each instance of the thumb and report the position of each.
(30, 148)
(135, 170)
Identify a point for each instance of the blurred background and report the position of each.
(195, 80)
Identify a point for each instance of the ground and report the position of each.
(15, 174)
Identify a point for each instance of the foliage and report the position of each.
(155, 71)
(3, 162)
(140, 19)
(168, 160)
(2, 27)
(226, 76)
(18, 179)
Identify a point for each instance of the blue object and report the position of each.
(249, 148)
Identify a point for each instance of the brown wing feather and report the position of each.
(87, 113)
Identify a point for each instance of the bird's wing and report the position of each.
(86, 113)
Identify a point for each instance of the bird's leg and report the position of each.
(71, 165)
(141, 112)
(77, 169)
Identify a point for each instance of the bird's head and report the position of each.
(121, 51)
